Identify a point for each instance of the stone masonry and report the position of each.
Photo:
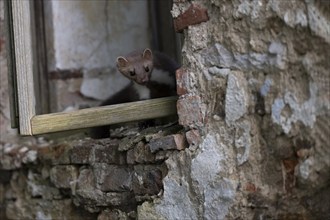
(89, 179)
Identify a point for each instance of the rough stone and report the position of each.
(147, 180)
(219, 192)
(64, 176)
(182, 82)
(87, 195)
(80, 153)
(317, 20)
(115, 214)
(304, 112)
(193, 137)
(170, 142)
(236, 97)
(178, 201)
(190, 111)
(46, 209)
(220, 56)
(107, 152)
(112, 178)
(101, 151)
(223, 72)
(195, 14)
(140, 154)
(58, 154)
(130, 141)
(243, 141)
(30, 156)
(37, 187)
(162, 156)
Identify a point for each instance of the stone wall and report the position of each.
(254, 94)
(254, 102)
(87, 179)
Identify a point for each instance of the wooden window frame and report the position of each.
(23, 72)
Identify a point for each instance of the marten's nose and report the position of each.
(145, 79)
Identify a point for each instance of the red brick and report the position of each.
(181, 81)
(289, 180)
(189, 111)
(290, 164)
(250, 187)
(195, 14)
(193, 137)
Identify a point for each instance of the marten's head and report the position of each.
(137, 66)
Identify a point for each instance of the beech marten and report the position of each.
(152, 75)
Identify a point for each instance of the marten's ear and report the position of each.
(121, 62)
(147, 54)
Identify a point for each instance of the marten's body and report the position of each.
(151, 75)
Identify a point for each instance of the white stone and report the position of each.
(177, 202)
(305, 112)
(266, 87)
(236, 97)
(30, 156)
(318, 22)
(218, 192)
(223, 72)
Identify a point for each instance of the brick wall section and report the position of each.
(101, 176)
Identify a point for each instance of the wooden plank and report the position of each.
(23, 36)
(104, 115)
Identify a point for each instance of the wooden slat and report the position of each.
(97, 116)
(24, 63)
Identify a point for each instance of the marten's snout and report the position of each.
(145, 79)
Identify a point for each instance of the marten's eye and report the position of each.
(132, 73)
(146, 68)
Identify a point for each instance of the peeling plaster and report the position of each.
(236, 97)
(177, 201)
(318, 23)
(220, 56)
(305, 112)
(219, 192)
(266, 87)
(243, 141)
